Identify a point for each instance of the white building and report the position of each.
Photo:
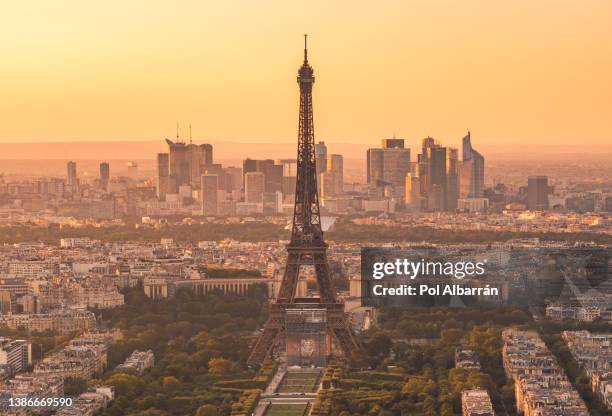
(138, 362)
(16, 353)
(73, 242)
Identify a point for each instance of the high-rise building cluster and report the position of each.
(330, 172)
(186, 181)
(437, 181)
(187, 177)
(387, 168)
(180, 169)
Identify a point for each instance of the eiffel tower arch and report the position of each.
(306, 248)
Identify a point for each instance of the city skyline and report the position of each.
(189, 180)
(422, 67)
(434, 239)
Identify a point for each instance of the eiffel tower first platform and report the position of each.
(306, 248)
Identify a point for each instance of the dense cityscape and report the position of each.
(63, 283)
(187, 284)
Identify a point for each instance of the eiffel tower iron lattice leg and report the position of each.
(307, 246)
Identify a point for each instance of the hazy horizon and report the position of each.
(41, 159)
(224, 150)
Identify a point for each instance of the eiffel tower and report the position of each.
(307, 247)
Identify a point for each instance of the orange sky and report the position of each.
(518, 71)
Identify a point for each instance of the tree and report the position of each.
(207, 410)
(219, 366)
(360, 359)
(151, 412)
(125, 384)
(380, 345)
(452, 336)
(171, 383)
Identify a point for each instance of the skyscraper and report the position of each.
(235, 178)
(104, 174)
(163, 176)
(289, 166)
(321, 157)
(335, 165)
(471, 176)
(413, 192)
(274, 177)
(537, 193)
(72, 174)
(186, 163)
(393, 143)
(326, 184)
(208, 194)
(200, 156)
(273, 173)
(289, 178)
(427, 143)
(423, 165)
(254, 187)
(248, 165)
(436, 178)
(178, 166)
(289, 188)
(374, 169)
(452, 178)
(388, 166)
(223, 178)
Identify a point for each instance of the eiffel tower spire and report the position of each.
(307, 246)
